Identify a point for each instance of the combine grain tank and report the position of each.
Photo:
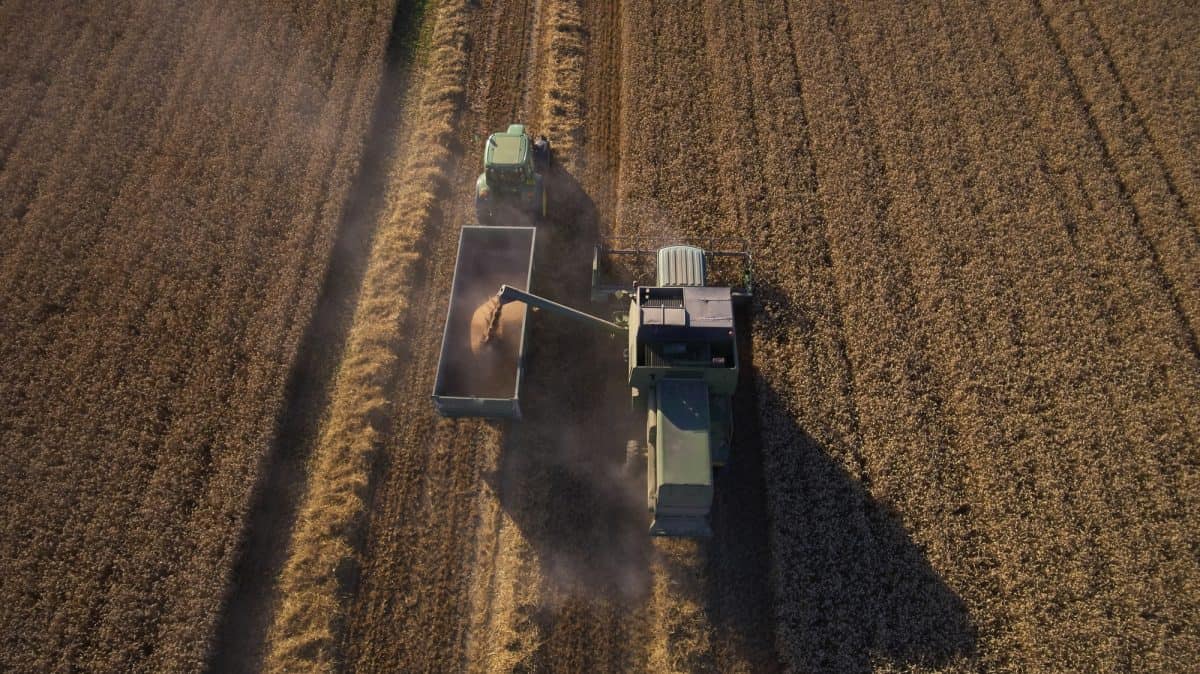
(487, 383)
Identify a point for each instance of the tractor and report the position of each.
(513, 178)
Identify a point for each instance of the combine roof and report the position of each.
(506, 149)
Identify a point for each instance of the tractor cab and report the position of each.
(511, 183)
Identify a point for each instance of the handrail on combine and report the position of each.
(605, 253)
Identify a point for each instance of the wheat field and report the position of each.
(966, 431)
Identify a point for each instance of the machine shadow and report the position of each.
(561, 474)
(738, 564)
(814, 575)
(853, 590)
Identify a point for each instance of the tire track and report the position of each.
(1135, 164)
(1141, 121)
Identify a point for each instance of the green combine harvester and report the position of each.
(513, 178)
(682, 357)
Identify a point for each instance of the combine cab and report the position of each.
(513, 178)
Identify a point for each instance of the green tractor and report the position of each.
(513, 178)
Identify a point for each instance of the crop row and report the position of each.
(973, 341)
(171, 204)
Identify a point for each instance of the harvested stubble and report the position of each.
(155, 283)
(322, 552)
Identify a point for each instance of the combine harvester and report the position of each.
(682, 353)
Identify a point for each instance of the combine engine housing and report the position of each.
(683, 367)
